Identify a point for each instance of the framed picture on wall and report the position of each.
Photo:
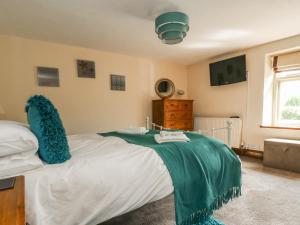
(47, 76)
(86, 68)
(117, 82)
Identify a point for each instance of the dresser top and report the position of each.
(168, 99)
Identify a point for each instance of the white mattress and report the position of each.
(105, 177)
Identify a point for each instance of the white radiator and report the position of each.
(210, 125)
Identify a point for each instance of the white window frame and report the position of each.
(278, 80)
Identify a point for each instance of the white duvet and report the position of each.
(105, 177)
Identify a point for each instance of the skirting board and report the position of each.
(249, 152)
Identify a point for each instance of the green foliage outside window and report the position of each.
(293, 101)
(292, 110)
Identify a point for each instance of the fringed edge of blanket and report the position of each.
(212, 221)
(202, 215)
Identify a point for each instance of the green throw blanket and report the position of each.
(205, 173)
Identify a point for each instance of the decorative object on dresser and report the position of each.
(282, 154)
(164, 88)
(180, 92)
(173, 113)
(12, 207)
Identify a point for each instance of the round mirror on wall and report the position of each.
(164, 88)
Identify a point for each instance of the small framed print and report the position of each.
(86, 68)
(48, 77)
(117, 82)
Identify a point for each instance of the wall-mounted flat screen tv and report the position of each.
(228, 71)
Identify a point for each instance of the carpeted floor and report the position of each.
(269, 197)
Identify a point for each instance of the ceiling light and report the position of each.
(171, 27)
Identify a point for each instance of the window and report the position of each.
(286, 98)
(287, 105)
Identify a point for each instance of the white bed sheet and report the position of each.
(105, 177)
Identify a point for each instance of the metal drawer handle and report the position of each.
(285, 149)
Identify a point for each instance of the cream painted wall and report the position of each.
(85, 105)
(244, 99)
(88, 105)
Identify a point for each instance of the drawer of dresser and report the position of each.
(179, 124)
(172, 106)
(188, 105)
(178, 105)
(178, 115)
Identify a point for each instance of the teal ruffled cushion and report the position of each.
(46, 124)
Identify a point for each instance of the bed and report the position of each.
(115, 178)
(103, 179)
(107, 181)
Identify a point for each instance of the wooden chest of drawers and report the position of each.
(173, 113)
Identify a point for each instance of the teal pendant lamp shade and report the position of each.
(171, 27)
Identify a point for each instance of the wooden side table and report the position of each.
(12, 204)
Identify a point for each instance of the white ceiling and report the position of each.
(127, 26)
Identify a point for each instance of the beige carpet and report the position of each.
(269, 197)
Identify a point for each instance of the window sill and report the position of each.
(280, 128)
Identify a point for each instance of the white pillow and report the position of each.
(16, 138)
(14, 122)
(18, 164)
